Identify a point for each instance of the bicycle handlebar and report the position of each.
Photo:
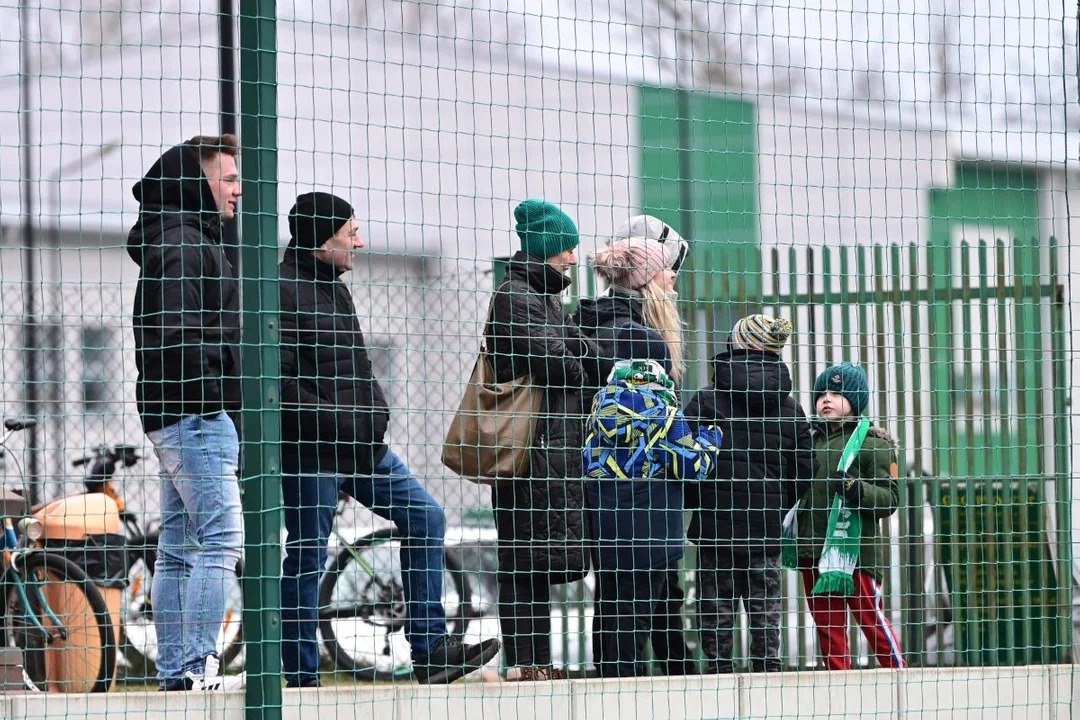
(17, 424)
(103, 460)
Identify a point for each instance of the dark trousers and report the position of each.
(628, 603)
(524, 594)
(392, 493)
(309, 518)
(725, 580)
(670, 651)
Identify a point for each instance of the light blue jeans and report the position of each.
(202, 537)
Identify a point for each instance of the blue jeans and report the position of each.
(391, 493)
(201, 540)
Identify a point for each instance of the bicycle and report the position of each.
(362, 603)
(138, 633)
(379, 602)
(52, 613)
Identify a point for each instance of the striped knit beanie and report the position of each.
(761, 333)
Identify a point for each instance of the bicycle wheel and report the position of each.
(362, 606)
(140, 636)
(79, 653)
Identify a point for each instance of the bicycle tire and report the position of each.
(140, 664)
(342, 659)
(66, 572)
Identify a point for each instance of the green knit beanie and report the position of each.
(848, 381)
(544, 229)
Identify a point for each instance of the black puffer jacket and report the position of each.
(767, 461)
(530, 333)
(601, 318)
(186, 313)
(333, 412)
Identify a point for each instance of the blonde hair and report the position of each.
(661, 313)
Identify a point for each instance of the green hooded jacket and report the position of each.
(876, 466)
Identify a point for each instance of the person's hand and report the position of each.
(848, 487)
(710, 436)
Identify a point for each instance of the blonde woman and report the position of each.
(640, 272)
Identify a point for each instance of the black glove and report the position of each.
(848, 487)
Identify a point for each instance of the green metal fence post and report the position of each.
(261, 362)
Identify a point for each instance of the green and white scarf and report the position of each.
(843, 537)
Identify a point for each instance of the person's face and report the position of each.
(564, 261)
(833, 407)
(224, 179)
(338, 250)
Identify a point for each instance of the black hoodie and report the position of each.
(186, 314)
(767, 460)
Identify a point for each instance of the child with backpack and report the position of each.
(639, 453)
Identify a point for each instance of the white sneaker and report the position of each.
(212, 680)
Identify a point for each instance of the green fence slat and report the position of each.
(1062, 477)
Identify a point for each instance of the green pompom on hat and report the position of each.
(544, 229)
(848, 381)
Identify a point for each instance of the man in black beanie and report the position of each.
(333, 422)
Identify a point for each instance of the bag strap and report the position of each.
(490, 318)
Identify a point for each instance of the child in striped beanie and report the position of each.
(761, 333)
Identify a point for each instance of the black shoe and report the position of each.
(714, 668)
(680, 667)
(451, 661)
(175, 685)
(310, 682)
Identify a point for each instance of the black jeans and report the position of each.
(725, 579)
(524, 594)
(627, 603)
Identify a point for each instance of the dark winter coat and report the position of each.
(636, 497)
(333, 412)
(767, 460)
(186, 314)
(531, 334)
(601, 318)
(876, 465)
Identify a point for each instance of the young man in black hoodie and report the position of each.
(766, 464)
(333, 425)
(186, 318)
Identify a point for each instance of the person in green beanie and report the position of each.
(540, 518)
(870, 486)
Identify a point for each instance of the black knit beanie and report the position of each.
(315, 218)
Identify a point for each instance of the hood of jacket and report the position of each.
(757, 381)
(309, 267)
(173, 192)
(540, 276)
